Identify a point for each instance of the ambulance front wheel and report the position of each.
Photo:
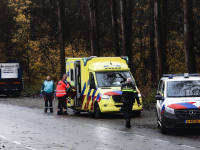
(136, 113)
(97, 111)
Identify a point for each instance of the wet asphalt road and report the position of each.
(23, 128)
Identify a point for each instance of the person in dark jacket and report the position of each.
(69, 89)
(129, 94)
(65, 80)
(48, 87)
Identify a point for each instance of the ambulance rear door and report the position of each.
(73, 76)
(70, 78)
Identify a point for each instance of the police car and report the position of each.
(178, 101)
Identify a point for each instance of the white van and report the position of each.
(178, 101)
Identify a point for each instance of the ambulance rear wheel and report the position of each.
(97, 111)
(76, 112)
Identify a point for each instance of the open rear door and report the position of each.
(74, 77)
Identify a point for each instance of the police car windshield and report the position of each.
(183, 88)
(112, 78)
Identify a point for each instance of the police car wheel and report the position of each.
(97, 112)
(163, 129)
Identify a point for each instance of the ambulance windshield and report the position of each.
(183, 88)
(112, 78)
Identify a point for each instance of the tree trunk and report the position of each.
(61, 35)
(90, 4)
(164, 35)
(96, 27)
(189, 36)
(142, 51)
(115, 27)
(124, 26)
(152, 47)
(129, 33)
(157, 14)
(94, 13)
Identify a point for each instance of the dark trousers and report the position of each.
(127, 110)
(62, 102)
(48, 97)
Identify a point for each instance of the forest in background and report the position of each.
(151, 32)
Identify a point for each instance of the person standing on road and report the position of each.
(61, 93)
(129, 94)
(48, 87)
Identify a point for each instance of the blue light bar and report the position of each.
(173, 75)
(85, 60)
(112, 66)
(126, 59)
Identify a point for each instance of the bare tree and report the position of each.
(94, 18)
(129, 34)
(152, 47)
(126, 21)
(61, 34)
(158, 33)
(124, 26)
(189, 36)
(164, 25)
(115, 27)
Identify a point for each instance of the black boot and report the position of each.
(45, 110)
(51, 110)
(128, 125)
(59, 112)
(65, 111)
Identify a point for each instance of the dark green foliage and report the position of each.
(38, 50)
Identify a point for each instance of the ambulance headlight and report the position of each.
(105, 97)
(169, 110)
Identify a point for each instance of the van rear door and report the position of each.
(74, 77)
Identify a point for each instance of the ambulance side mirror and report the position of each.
(137, 83)
(92, 85)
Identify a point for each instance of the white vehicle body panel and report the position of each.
(9, 70)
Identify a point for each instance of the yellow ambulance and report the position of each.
(98, 83)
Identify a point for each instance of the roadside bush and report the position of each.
(148, 98)
(32, 89)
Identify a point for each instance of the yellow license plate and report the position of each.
(192, 121)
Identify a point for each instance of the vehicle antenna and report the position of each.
(110, 61)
